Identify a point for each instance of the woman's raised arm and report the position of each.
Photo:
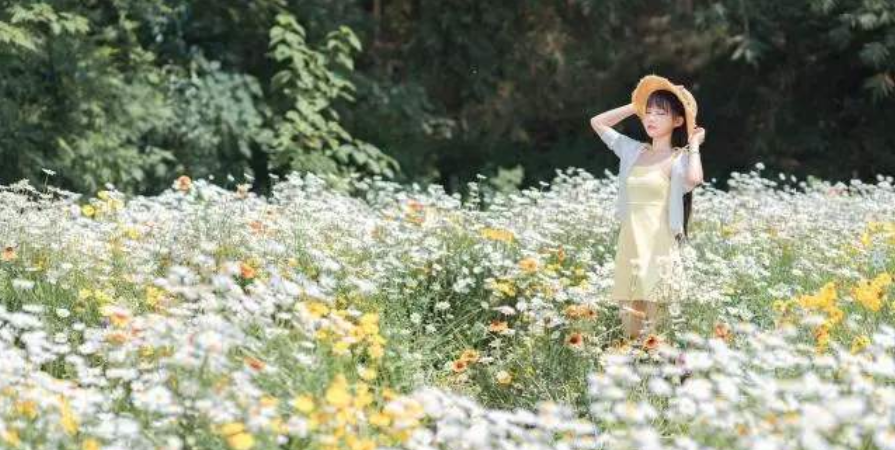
(602, 123)
(608, 119)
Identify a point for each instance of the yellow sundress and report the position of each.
(645, 235)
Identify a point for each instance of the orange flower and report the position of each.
(184, 183)
(256, 226)
(822, 331)
(119, 318)
(254, 363)
(652, 342)
(459, 366)
(498, 326)
(469, 356)
(9, 253)
(580, 312)
(575, 340)
(414, 205)
(246, 271)
(722, 331)
(116, 337)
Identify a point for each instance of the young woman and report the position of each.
(654, 196)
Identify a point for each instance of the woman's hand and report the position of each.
(698, 137)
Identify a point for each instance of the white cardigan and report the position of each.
(628, 150)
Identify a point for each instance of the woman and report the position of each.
(654, 196)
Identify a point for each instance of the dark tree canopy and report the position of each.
(137, 92)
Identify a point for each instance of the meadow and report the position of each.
(408, 318)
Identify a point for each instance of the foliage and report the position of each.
(136, 93)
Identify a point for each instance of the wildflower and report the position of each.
(495, 234)
(118, 316)
(416, 212)
(102, 298)
(337, 393)
(183, 183)
(867, 295)
(781, 306)
(21, 284)
(503, 377)
(246, 271)
(821, 330)
(366, 373)
(88, 210)
(231, 428)
(884, 279)
(256, 226)
(459, 366)
(652, 342)
(342, 348)
(822, 336)
(242, 190)
(131, 233)
(154, 296)
(255, 363)
(579, 312)
(575, 340)
(380, 419)
(376, 350)
(317, 309)
(859, 343)
(90, 444)
(498, 326)
(303, 404)
(389, 394)
(362, 395)
(414, 206)
(355, 443)
(469, 355)
(369, 323)
(505, 288)
(241, 441)
(823, 299)
(722, 331)
(68, 419)
(9, 253)
(528, 265)
(26, 408)
(11, 436)
(116, 337)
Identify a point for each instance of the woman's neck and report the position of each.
(662, 144)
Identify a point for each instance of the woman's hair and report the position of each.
(668, 102)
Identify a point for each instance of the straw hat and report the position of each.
(653, 82)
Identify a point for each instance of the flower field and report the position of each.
(407, 318)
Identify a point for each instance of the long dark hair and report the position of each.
(668, 102)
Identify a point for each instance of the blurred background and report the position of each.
(138, 92)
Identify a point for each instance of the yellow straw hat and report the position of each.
(650, 83)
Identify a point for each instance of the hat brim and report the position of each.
(651, 83)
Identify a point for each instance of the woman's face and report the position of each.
(658, 122)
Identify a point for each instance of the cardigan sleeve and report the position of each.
(620, 144)
(684, 162)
